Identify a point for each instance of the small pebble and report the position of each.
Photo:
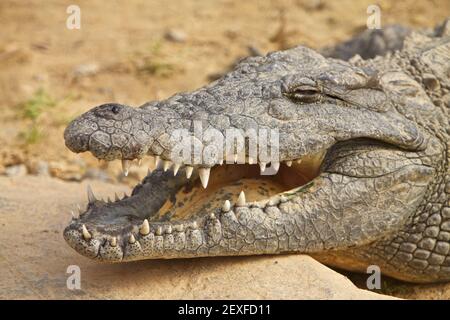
(176, 35)
(19, 170)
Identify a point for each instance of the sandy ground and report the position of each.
(50, 74)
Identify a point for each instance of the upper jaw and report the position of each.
(121, 229)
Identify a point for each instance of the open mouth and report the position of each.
(176, 207)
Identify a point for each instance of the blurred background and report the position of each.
(139, 50)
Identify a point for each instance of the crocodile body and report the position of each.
(362, 175)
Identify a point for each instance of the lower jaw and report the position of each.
(189, 217)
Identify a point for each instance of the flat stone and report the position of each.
(35, 258)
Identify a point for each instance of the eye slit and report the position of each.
(305, 93)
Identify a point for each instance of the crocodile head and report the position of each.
(287, 152)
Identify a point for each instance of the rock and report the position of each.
(19, 170)
(65, 171)
(40, 270)
(39, 168)
(87, 69)
(176, 35)
(97, 174)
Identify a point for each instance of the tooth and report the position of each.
(109, 200)
(250, 160)
(189, 170)
(262, 166)
(145, 228)
(157, 162)
(179, 227)
(73, 215)
(132, 239)
(221, 162)
(235, 157)
(113, 242)
(176, 167)
(90, 194)
(139, 162)
(116, 197)
(169, 229)
(226, 206)
(241, 199)
(167, 165)
(194, 225)
(159, 231)
(80, 211)
(212, 216)
(125, 167)
(289, 163)
(149, 172)
(299, 161)
(204, 176)
(86, 234)
(276, 166)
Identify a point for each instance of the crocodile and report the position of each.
(360, 177)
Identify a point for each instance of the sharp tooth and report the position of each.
(226, 206)
(86, 234)
(273, 202)
(179, 227)
(149, 172)
(212, 216)
(167, 165)
(221, 162)
(113, 242)
(194, 225)
(176, 167)
(132, 239)
(276, 166)
(73, 215)
(139, 162)
(80, 211)
(145, 228)
(157, 162)
(299, 161)
(90, 194)
(189, 171)
(262, 166)
(250, 160)
(116, 197)
(109, 200)
(241, 199)
(289, 163)
(125, 167)
(235, 158)
(204, 176)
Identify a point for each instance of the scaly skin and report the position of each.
(381, 195)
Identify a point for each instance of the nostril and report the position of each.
(115, 109)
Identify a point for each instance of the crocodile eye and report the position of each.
(305, 94)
